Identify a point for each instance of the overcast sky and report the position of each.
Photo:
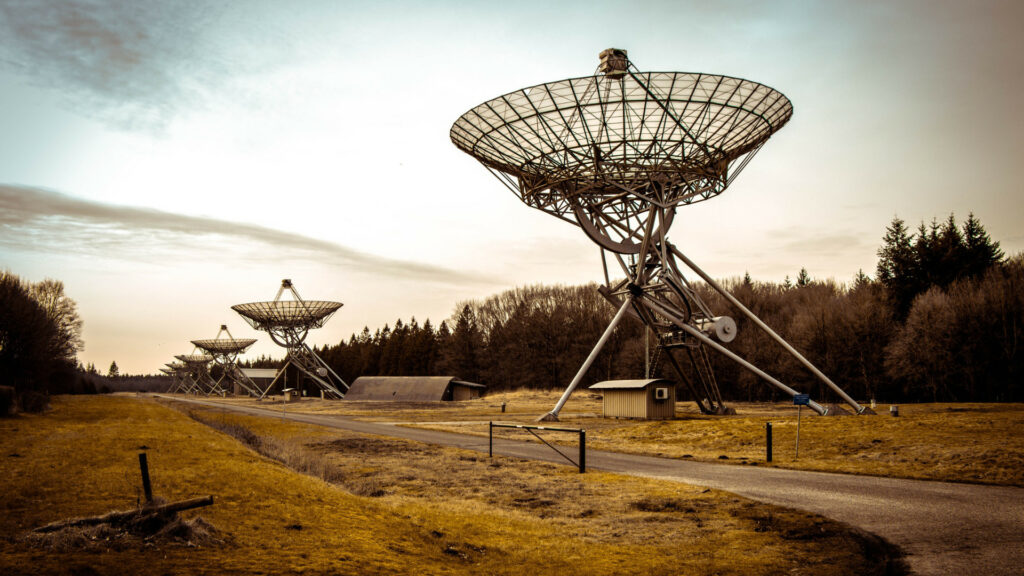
(167, 160)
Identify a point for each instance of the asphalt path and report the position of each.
(943, 527)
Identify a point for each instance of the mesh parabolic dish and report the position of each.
(287, 314)
(190, 359)
(224, 345)
(597, 148)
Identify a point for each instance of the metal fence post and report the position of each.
(768, 441)
(490, 439)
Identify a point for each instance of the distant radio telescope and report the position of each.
(195, 374)
(225, 352)
(288, 322)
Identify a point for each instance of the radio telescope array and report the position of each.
(196, 371)
(616, 153)
(171, 369)
(224, 352)
(182, 380)
(288, 322)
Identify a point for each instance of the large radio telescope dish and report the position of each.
(616, 153)
(601, 150)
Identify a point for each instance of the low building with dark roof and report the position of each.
(653, 399)
(413, 389)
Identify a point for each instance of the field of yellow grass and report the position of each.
(978, 443)
(374, 505)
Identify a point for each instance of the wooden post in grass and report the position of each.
(583, 451)
(146, 487)
(768, 441)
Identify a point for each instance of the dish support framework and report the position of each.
(656, 293)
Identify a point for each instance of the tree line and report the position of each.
(940, 321)
(40, 337)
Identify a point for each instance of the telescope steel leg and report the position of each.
(330, 370)
(307, 361)
(732, 299)
(553, 415)
(244, 381)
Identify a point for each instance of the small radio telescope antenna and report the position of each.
(175, 380)
(225, 352)
(182, 379)
(196, 372)
(617, 153)
(288, 322)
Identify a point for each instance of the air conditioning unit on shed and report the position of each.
(661, 393)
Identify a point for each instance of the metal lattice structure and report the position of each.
(182, 379)
(196, 372)
(288, 322)
(616, 154)
(225, 352)
(175, 381)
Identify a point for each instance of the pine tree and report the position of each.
(861, 279)
(113, 372)
(802, 279)
(898, 266)
(981, 253)
(466, 344)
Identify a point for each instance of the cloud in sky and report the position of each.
(134, 64)
(33, 219)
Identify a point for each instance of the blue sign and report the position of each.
(801, 399)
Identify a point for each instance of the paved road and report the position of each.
(944, 528)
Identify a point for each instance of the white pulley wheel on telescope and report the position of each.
(725, 329)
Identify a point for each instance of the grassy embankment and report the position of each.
(375, 505)
(979, 443)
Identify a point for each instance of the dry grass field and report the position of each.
(365, 505)
(978, 443)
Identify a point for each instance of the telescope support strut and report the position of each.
(753, 318)
(553, 415)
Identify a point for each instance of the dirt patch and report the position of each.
(886, 559)
(662, 505)
(124, 531)
(368, 446)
